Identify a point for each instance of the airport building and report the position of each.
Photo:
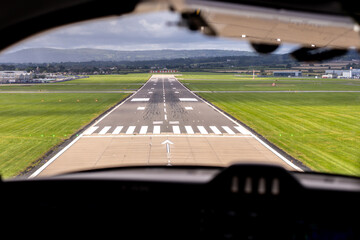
(351, 73)
(163, 71)
(287, 73)
(15, 77)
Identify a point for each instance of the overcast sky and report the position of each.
(150, 31)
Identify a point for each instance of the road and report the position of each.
(163, 123)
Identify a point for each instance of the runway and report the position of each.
(163, 123)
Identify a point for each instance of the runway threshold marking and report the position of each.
(228, 130)
(104, 130)
(117, 130)
(189, 130)
(215, 130)
(156, 130)
(90, 131)
(143, 130)
(176, 129)
(130, 130)
(242, 130)
(202, 130)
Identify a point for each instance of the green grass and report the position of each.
(242, 82)
(93, 83)
(31, 124)
(322, 130)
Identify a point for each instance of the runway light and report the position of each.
(243, 36)
(313, 45)
(279, 40)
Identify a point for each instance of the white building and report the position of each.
(15, 76)
(352, 73)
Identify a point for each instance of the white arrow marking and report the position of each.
(167, 141)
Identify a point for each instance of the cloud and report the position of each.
(130, 32)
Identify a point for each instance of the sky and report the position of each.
(151, 31)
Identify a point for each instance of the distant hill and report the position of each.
(51, 55)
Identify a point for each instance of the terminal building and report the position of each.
(351, 73)
(15, 77)
(287, 73)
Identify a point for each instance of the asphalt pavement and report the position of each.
(163, 123)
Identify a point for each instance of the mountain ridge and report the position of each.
(54, 55)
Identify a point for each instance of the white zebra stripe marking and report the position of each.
(130, 130)
(156, 130)
(143, 130)
(176, 130)
(215, 130)
(228, 130)
(189, 130)
(242, 130)
(104, 130)
(117, 130)
(90, 130)
(202, 130)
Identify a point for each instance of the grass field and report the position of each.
(233, 82)
(32, 124)
(93, 83)
(320, 129)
